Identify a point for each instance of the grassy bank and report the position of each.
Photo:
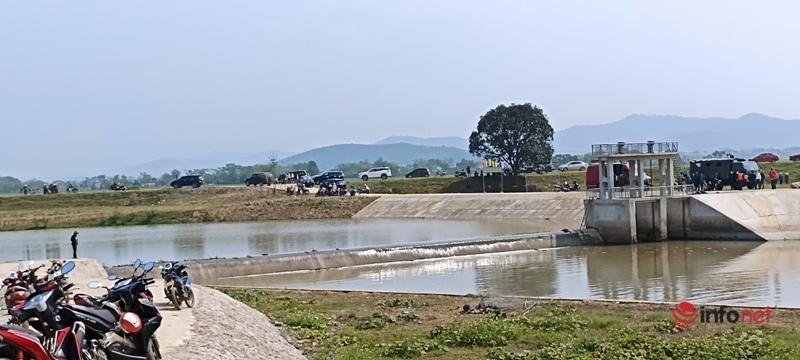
(359, 325)
(168, 206)
(451, 184)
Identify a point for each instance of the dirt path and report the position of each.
(218, 332)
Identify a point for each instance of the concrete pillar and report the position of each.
(631, 179)
(640, 170)
(610, 178)
(671, 171)
(632, 217)
(602, 178)
(661, 230)
(662, 178)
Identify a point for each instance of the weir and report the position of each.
(207, 271)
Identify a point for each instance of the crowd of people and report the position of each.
(738, 180)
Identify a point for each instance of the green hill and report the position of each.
(329, 156)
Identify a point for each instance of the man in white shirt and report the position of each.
(759, 185)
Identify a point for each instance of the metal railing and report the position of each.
(650, 147)
(633, 192)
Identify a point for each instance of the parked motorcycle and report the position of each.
(177, 284)
(51, 342)
(118, 187)
(124, 320)
(566, 187)
(19, 285)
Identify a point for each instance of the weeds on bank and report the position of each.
(349, 327)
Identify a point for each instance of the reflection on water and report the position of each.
(114, 246)
(706, 272)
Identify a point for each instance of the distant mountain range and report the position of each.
(207, 161)
(450, 141)
(746, 135)
(402, 153)
(751, 131)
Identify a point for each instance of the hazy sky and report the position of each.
(88, 86)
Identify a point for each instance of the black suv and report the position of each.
(189, 180)
(259, 179)
(328, 175)
(418, 172)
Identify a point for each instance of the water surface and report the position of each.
(706, 272)
(122, 245)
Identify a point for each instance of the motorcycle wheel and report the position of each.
(190, 300)
(153, 352)
(173, 297)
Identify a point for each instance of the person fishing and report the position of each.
(74, 241)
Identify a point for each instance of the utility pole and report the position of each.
(499, 163)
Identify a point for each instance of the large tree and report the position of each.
(517, 135)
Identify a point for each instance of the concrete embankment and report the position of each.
(757, 215)
(553, 211)
(208, 271)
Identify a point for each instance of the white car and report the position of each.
(378, 172)
(574, 166)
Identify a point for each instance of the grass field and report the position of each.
(168, 206)
(361, 325)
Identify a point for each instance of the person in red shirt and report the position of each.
(773, 177)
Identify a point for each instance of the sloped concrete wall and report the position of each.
(769, 214)
(555, 211)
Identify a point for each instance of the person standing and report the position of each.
(758, 180)
(74, 241)
(786, 177)
(780, 178)
(773, 178)
(763, 178)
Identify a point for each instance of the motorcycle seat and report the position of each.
(104, 314)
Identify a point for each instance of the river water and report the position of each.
(123, 245)
(747, 273)
(751, 273)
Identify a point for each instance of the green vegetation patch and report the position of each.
(358, 325)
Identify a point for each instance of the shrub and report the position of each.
(483, 333)
(553, 318)
(502, 354)
(377, 321)
(402, 303)
(408, 316)
(634, 344)
(409, 348)
(306, 320)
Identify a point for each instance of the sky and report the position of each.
(87, 87)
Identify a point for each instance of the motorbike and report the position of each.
(124, 321)
(118, 187)
(177, 284)
(61, 342)
(566, 187)
(19, 285)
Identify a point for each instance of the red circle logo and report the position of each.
(684, 315)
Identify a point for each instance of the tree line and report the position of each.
(231, 174)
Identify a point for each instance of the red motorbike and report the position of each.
(18, 285)
(20, 343)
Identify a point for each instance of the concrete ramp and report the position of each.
(770, 214)
(556, 211)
